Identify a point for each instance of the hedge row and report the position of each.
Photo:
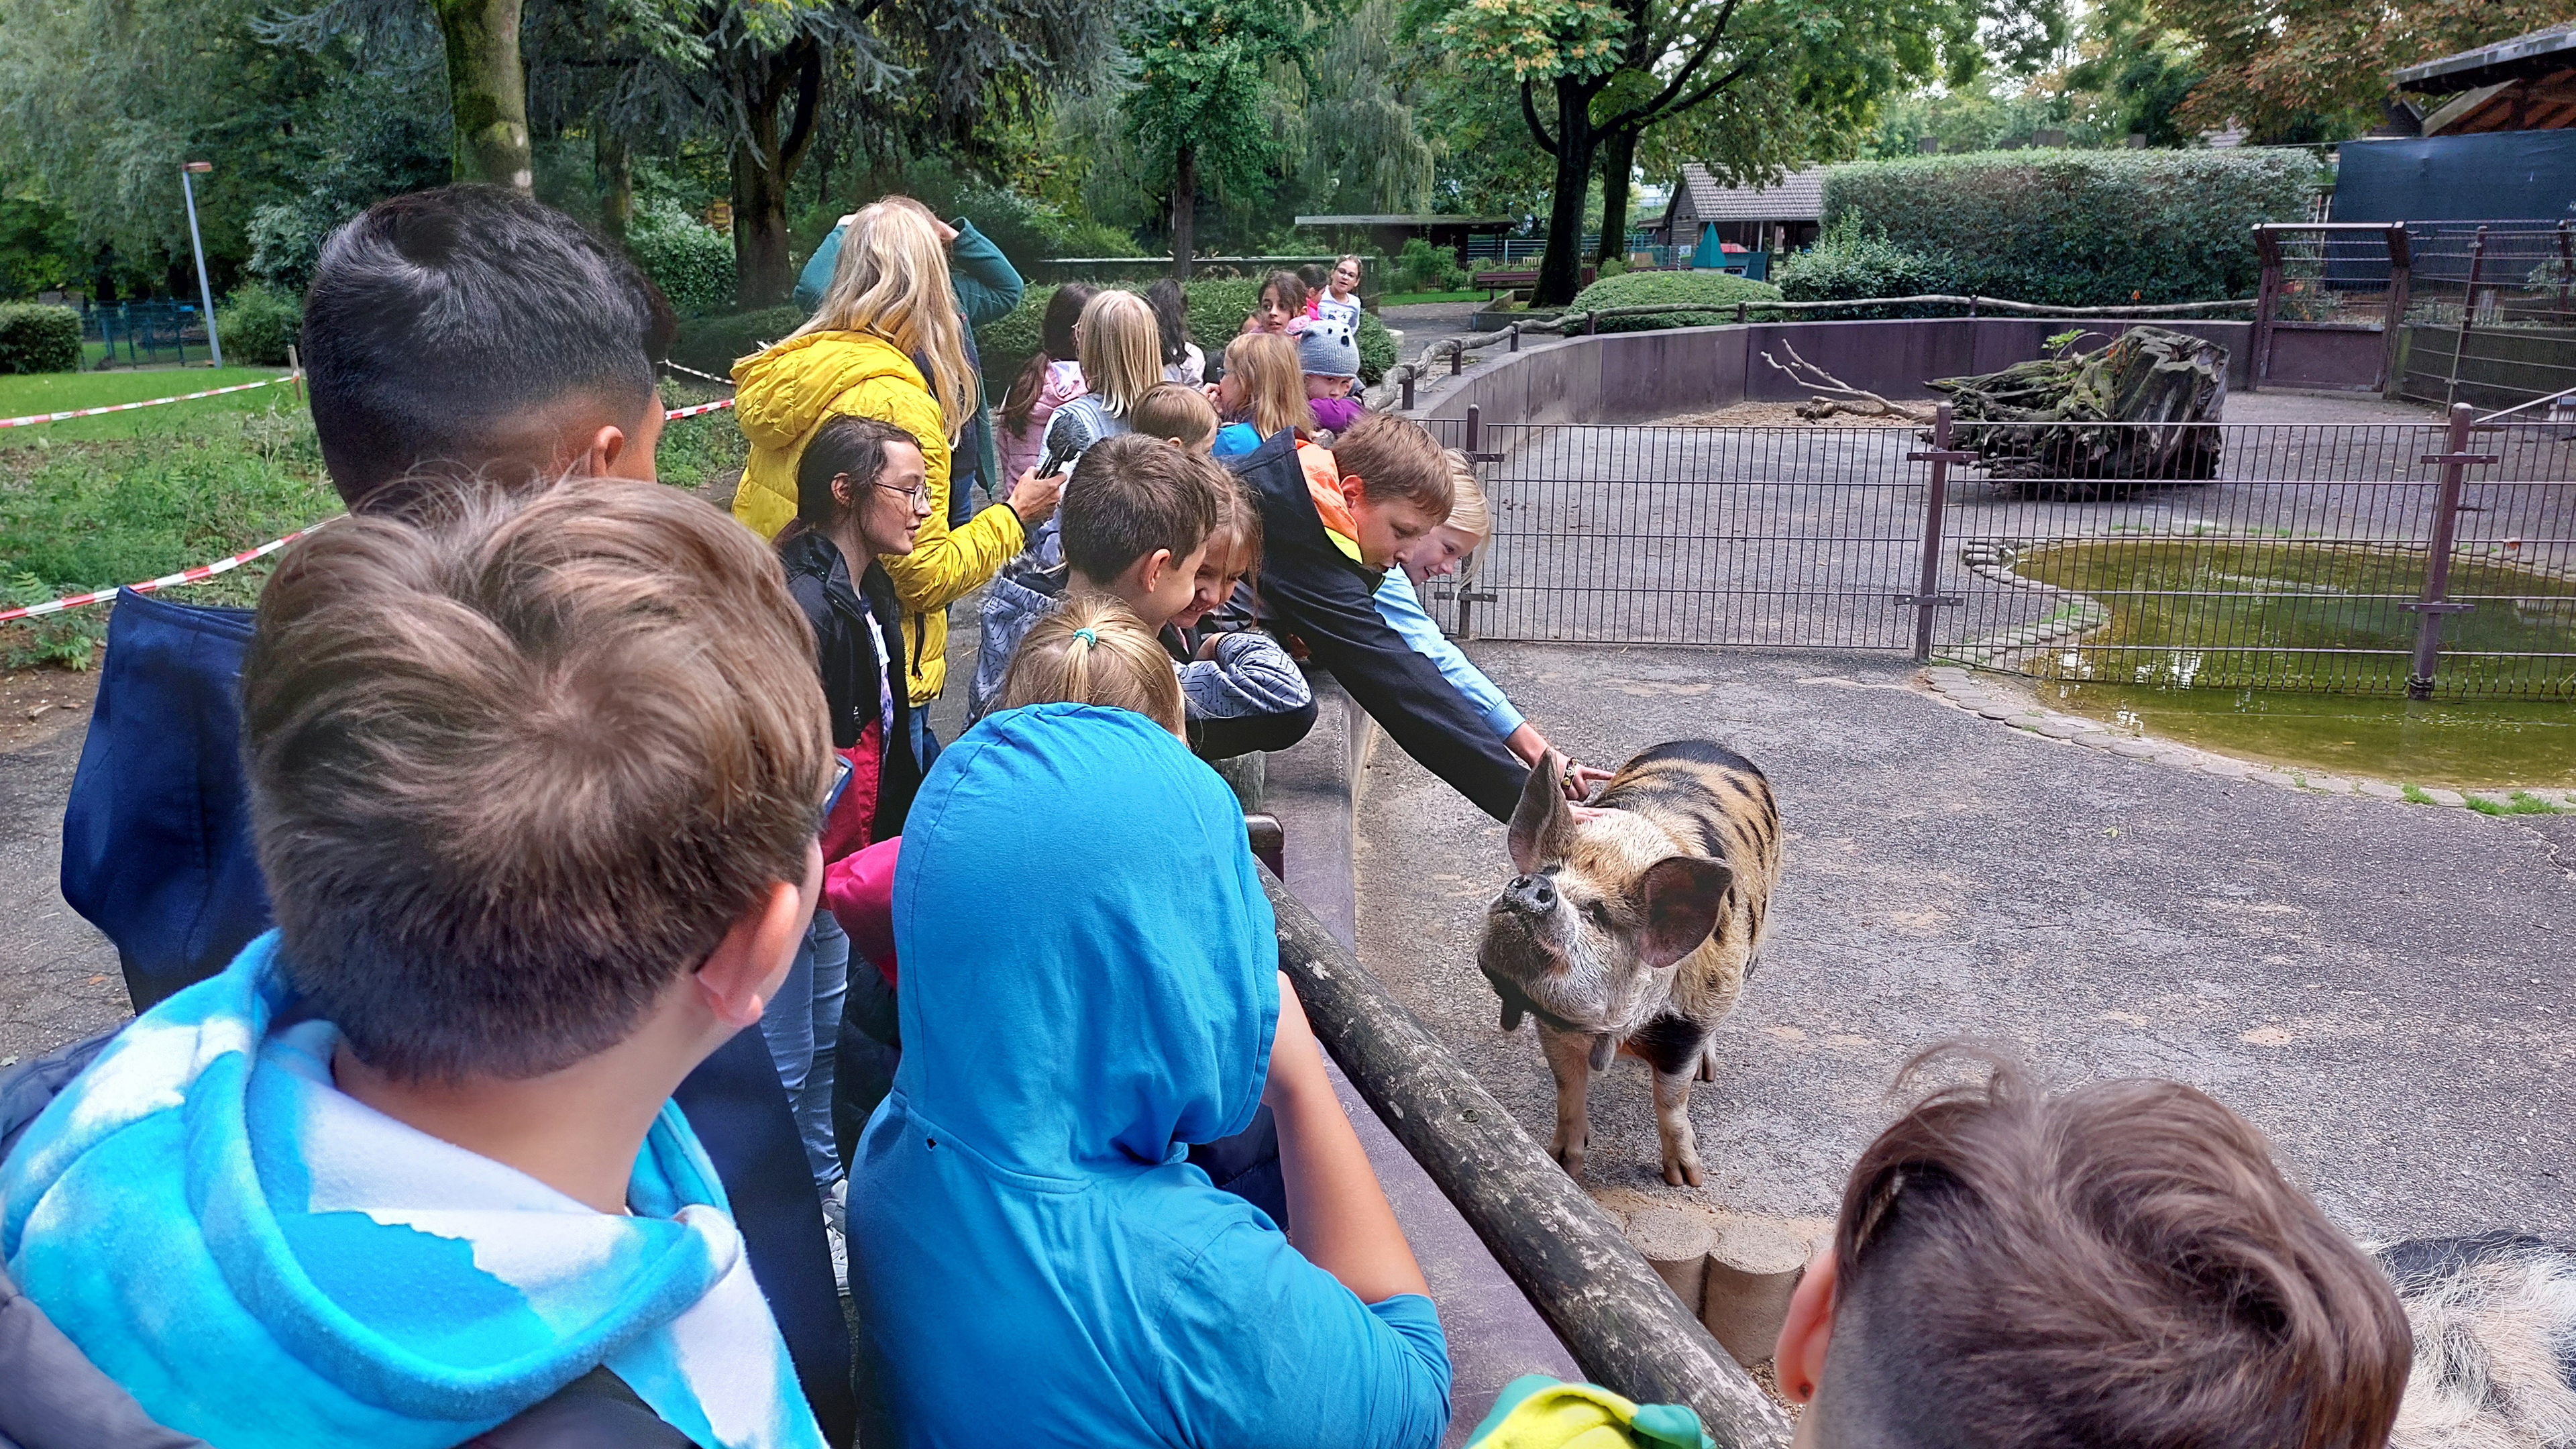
(2068, 228)
(257, 325)
(37, 337)
(1718, 290)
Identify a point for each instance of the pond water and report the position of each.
(2462, 744)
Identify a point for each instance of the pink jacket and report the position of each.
(1020, 450)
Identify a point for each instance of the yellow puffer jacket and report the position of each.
(784, 394)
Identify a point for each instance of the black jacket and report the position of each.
(818, 576)
(1322, 596)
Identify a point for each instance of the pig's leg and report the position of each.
(1673, 1125)
(1569, 1056)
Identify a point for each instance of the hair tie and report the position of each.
(1086, 636)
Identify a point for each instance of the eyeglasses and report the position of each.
(918, 494)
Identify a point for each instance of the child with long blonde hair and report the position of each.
(1092, 649)
(1263, 391)
(1121, 349)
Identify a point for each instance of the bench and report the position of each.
(1494, 282)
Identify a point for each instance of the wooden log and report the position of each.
(1751, 1270)
(1619, 1319)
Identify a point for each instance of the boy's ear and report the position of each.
(1354, 492)
(1799, 1356)
(743, 973)
(1151, 568)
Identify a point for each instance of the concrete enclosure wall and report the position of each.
(1633, 376)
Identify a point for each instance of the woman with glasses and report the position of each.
(862, 494)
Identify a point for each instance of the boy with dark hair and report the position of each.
(1334, 520)
(531, 344)
(2118, 1265)
(1136, 518)
(408, 1167)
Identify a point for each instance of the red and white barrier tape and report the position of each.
(222, 565)
(184, 576)
(693, 372)
(32, 418)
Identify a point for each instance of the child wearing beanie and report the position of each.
(1329, 355)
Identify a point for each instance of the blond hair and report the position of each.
(1238, 527)
(1175, 411)
(1121, 351)
(892, 282)
(1274, 384)
(1467, 511)
(1092, 649)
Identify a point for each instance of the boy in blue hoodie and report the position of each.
(1034, 1258)
(408, 1167)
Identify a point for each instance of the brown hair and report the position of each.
(1131, 495)
(1177, 412)
(1092, 649)
(503, 789)
(1055, 344)
(1396, 458)
(1292, 290)
(1274, 383)
(842, 446)
(2121, 1264)
(1238, 524)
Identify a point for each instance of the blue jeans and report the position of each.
(925, 745)
(803, 1029)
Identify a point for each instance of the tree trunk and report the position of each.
(1560, 272)
(1618, 159)
(487, 90)
(1185, 208)
(615, 173)
(764, 164)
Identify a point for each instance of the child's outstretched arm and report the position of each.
(1341, 1221)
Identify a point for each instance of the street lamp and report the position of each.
(205, 294)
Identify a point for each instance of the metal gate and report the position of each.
(2380, 559)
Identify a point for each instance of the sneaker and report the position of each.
(836, 1206)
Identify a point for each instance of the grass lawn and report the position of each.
(1416, 299)
(54, 392)
(188, 484)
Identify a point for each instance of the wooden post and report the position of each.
(295, 371)
(2400, 282)
(2267, 246)
(2566, 267)
(1621, 1321)
(2468, 312)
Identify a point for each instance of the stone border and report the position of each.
(1962, 688)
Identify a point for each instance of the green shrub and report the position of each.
(1714, 293)
(39, 338)
(1098, 239)
(2080, 228)
(257, 324)
(1422, 267)
(715, 343)
(1851, 260)
(690, 261)
(1216, 310)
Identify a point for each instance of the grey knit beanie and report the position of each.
(1328, 350)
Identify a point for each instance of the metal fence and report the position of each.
(134, 333)
(2385, 559)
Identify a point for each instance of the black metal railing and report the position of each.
(2414, 559)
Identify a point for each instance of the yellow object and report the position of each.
(784, 394)
(1538, 1413)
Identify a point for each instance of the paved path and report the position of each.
(59, 979)
(2382, 987)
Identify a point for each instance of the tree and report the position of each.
(1595, 76)
(1201, 88)
(2282, 68)
(487, 90)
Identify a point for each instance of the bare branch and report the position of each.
(1838, 396)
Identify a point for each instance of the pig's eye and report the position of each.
(1598, 914)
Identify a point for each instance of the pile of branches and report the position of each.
(2102, 424)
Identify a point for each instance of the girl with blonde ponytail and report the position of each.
(886, 342)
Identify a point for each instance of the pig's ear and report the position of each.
(1680, 896)
(1542, 824)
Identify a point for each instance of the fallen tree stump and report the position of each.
(2102, 424)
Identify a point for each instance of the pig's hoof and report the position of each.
(1568, 1155)
(1679, 1172)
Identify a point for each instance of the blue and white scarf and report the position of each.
(262, 1260)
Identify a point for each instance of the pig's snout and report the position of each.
(1533, 894)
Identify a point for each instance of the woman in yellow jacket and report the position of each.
(886, 343)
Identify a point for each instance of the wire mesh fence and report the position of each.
(2491, 318)
(2292, 557)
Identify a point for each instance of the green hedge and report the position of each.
(2078, 228)
(1853, 260)
(690, 261)
(1216, 308)
(714, 344)
(39, 338)
(1719, 290)
(257, 325)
